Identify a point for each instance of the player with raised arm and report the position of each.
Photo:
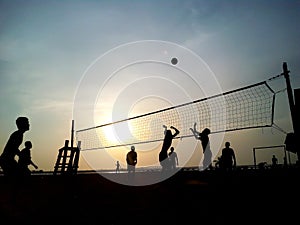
(163, 155)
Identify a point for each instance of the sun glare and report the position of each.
(110, 135)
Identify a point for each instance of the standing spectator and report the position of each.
(228, 159)
(131, 159)
(274, 161)
(118, 166)
(173, 159)
(285, 163)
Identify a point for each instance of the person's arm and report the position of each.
(15, 141)
(135, 159)
(176, 131)
(18, 152)
(234, 158)
(165, 129)
(33, 164)
(176, 159)
(195, 132)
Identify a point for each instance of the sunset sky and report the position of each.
(48, 49)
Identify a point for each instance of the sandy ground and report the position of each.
(188, 197)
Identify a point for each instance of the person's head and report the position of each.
(132, 148)
(168, 132)
(206, 131)
(28, 144)
(22, 123)
(172, 149)
(227, 144)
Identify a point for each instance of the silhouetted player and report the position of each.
(25, 159)
(163, 155)
(173, 159)
(131, 159)
(274, 161)
(118, 166)
(7, 159)
(228, 160)
(203, 137)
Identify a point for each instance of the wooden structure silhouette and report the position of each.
(68, 157)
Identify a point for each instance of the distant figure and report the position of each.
(228, 160)
(204, 138)
(218, 163)
(131, 159)
(118, 166)
(274, 161)
(262, 165)
(173, 159)
(25, 159)
(8, 162)
(163, 155)
(285, 163)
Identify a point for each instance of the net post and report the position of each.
(72, 149)
(254, 158)
(289, 92)
(291, 103)
(72, 135)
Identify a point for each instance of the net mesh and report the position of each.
(244, 108)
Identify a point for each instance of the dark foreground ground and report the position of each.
(188, 197)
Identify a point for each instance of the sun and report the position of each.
(109, 135)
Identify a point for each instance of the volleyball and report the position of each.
(174, 61)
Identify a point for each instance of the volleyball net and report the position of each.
(244, 108)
